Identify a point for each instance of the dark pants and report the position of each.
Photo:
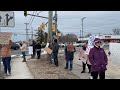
(84, 66)
(24, 58)
(34, 53)
(55, 55)
(6, 63)
(51, 58)
(101, 75)
(71, 63)
(38, 54)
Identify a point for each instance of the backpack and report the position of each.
(70, 48)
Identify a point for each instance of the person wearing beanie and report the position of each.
(98, 60)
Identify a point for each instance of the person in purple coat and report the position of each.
(98, 60)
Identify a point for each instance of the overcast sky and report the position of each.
(70, 22)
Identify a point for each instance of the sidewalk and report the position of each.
(19, 70)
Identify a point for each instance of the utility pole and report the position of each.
(26, 31)
(32, 33)
(50, 15)
(56, 22)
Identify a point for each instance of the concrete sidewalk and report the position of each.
(19, 70)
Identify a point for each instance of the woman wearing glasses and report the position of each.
(98, 60)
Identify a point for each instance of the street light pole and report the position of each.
(82, 26)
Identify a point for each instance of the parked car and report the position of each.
(15, 46)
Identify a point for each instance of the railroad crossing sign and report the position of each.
(7, 19)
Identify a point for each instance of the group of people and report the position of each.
(95, 58)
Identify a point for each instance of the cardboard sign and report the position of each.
(48, 50)
(5, 37)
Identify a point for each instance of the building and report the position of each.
(105, 38)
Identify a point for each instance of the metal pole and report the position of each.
(32, 33)
(26, 32)
(56, 22)
(82, 27)
(50, 15)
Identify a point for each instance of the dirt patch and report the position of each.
(42, 69)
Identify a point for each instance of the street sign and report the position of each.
(7, 19)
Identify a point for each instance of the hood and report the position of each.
(96, 40)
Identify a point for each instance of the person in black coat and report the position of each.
(38, 49)
(55, 51)
(34, 49)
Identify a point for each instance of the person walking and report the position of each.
(55, 52)
(69, 51)
(38, 49)
(98, 60)
(23, 49)
(84, 57)
(6, 58)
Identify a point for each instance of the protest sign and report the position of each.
(5, 37)
(30, 49)
(48, 50)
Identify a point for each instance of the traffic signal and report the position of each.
(25, 13)
(42, 26)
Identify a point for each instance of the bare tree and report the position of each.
(116, 31)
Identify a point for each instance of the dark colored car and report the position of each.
(15, 46)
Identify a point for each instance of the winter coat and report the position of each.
(69, 55)
(55, 48)
(98, 59)
(38, 47)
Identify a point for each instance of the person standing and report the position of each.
(38, 49)
(23, 50)
(34, 49)
(98, 60)
(55, 51)
(70, 49)
(6, 58)
(51, 55)
(84, 56)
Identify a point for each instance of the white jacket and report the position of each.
(23, 48)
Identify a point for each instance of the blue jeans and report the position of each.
(6, 63)
(71, 63)
(23, 53)
(51, 58)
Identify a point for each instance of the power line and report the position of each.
(32, 19)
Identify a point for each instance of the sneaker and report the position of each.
(5, 75)
(9, 74)
(90, 77)
(65, 68)
(83, 72)
(23, 61)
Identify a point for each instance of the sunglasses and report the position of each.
(99, 42)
